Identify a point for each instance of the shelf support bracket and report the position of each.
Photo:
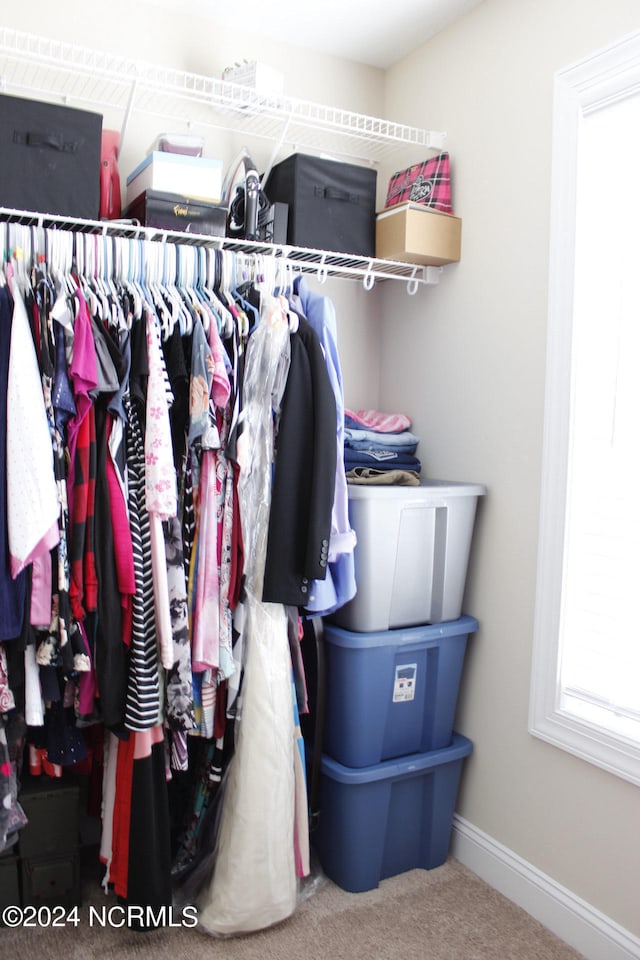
(412, 285)
(276, 149)
(369, 278)
(127, 111)
(322, 269)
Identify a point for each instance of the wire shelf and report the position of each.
(321, 263)
(53, 69)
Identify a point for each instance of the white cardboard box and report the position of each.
(196, 177)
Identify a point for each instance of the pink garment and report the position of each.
(205, 652)
(123, 547)
(41, 579)
(220, 394)
(145, 740)
(205, 615)
(381, 422)
(301, 815)
(225, 479)
(220, 388)
(83, 373)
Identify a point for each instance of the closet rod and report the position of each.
(322, 263)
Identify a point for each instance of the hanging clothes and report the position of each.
(200, 435)
(32, 497)
(12, 589)
(254, 877)
(304, 476)
(339, 586)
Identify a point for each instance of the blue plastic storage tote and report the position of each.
(394, 692)
(376, 822)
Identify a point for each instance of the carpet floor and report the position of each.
(443, 914)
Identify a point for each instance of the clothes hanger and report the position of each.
(227, 326)
(116, 313)
(153, 285)
(171, 298)
(240, 317)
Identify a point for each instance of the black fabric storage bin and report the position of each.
(331, 204)
(171, 211)
(49, 158)
(9, 886)
(52, 881)
(52, 808)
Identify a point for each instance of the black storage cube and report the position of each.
(49, 158)
(51, 881)
(171, 211)
(331, 204)
(9, 886)
(52, 808)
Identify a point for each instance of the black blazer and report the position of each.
(304, 476)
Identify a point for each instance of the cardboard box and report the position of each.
(197, 177)
(413, 233)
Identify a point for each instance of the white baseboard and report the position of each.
(572, 919)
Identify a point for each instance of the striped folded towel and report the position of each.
(375, 420)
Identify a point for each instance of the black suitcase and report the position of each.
(49, 158)
(331, 204)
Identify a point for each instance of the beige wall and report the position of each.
(464, 359)
(467, 361)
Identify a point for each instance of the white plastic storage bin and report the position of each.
(412, 553)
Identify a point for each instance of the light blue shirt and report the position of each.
(339, 586)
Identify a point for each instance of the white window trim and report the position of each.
(591, 84)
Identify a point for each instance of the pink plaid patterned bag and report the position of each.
(428, 183)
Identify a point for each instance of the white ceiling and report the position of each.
(374, 32)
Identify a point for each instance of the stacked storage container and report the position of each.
(49, 844)
(391, 761)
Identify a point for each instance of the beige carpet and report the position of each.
(442, 914)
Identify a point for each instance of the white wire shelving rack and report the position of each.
(321, 263)
(58, 71)
(85, 77)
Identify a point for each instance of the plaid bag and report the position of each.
(428, 183)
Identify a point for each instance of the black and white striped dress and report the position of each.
(143, 691)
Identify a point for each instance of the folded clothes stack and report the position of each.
(380, 448)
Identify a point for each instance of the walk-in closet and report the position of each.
(275, 307)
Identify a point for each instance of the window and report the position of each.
(585, 692)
